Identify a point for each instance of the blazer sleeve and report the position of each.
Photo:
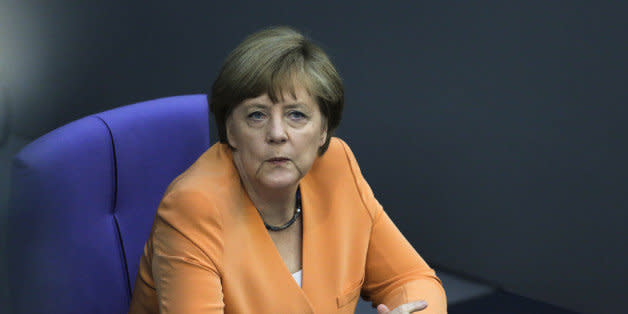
(186, 248)
(395, 273)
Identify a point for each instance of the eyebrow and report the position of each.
(256, 105)
(297, 104)
(289, 106)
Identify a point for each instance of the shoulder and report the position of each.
(209, 176)
(338, 160)
(337, 155)
(188, 219)
(197, 192)
(337, 172)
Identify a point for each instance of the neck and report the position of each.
(276, 205)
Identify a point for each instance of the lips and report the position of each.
(278, 159)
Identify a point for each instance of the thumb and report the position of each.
(382, 309)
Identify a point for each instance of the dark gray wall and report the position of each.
(493, 132)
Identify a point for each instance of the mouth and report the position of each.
(278, 160)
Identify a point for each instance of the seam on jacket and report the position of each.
(118, 233)
(187, 260)
(355, 181)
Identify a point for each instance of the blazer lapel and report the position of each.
(317, 269)
(284, 286)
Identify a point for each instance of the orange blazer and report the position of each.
(209, 252)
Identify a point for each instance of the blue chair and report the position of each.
(83, 199)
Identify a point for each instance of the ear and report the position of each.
(323, 134)
(229, 131)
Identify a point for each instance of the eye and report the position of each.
(296, 115)
(256, 115)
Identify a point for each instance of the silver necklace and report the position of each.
(295, 216)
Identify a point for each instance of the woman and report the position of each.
(277, 218)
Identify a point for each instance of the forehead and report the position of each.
(287, 96)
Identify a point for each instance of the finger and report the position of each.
(413, 306)
(382, 309)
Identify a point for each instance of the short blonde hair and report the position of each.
(271, 61)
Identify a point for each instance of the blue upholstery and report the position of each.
(83, 199)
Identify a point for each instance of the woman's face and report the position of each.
(276, 143)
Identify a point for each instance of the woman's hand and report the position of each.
(403, 309)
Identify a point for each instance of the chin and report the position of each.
(280, 182)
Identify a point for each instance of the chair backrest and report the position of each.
(83, 200)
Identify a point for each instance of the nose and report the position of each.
(276, 133)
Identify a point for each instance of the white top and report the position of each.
(298, 276)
